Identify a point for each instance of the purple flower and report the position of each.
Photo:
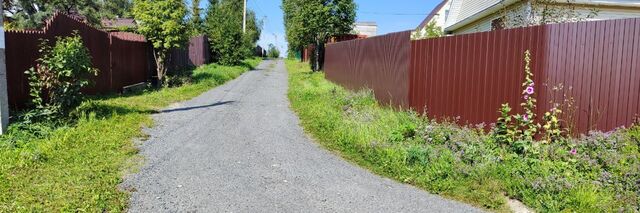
(574, 151)
(529, 90)
(525, 117)
(526, 97)
(532, 84)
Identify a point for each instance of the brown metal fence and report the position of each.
(595, 65)
(380, 63)
(122, 58)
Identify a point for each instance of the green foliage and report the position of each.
(431, 30)
(55, 83)
(520, 132)
(162, 22)
(30, 14)
(116, 9)
(273, 51)
(597, 172)
(79, 167)
(314, 22)
(196, 25)
(223, 26)
(504, 131)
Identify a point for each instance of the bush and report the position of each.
(55, 82)
(273, 51)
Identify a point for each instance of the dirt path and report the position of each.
(239, 148)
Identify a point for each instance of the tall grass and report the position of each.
(78, 167)
(465, 163)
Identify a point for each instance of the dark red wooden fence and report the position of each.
(597, 65)
(380, 63)
(122, 58)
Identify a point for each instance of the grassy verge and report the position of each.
(600, 172)
(78, 167)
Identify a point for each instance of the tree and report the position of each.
(273, 51)
(29, 14)
(223, 26)
(314, 22)
(431, 30)
(252, 35)
(116, 9)
(162, 23)
(195, 21)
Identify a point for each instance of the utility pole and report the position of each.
(4, 97)
(244, 17)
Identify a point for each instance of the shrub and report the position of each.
(273, 51)
(57, 79)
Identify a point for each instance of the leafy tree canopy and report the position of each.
(223, 26)
(315, 21)
(162, 22)
(29, 14)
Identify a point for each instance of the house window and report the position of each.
(497, 24)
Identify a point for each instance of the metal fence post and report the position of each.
(4, 99)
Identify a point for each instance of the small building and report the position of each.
(470, 16)
(119, 24)
(366, 29)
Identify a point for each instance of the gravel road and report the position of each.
(240, 148)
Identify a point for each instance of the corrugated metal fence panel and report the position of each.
(199, 51)
(21, 53)
(470, 76)
(379, 63)
(129, 62)
(122, 58)
(594, 65)
(592, 69)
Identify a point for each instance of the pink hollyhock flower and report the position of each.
(532, 84)
(526, 97)
(529, 90)
(525, 117)
(574, 151)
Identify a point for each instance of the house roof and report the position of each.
(433, 13)
(118, 22)
(486, 7)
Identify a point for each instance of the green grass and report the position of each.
(464, 163)
(78, 167)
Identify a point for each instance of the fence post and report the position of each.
(4, 99)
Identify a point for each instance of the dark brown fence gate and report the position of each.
(596, 65)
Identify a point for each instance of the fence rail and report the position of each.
(593, 65)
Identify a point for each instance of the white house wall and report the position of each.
(604, 13)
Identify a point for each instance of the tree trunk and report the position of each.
(161, 68)
(318, 55)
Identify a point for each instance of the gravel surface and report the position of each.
(239, 148)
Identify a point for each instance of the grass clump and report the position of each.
(598, 172)
(77, 166)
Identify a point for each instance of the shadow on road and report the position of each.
(197, 107)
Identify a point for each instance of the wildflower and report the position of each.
(525, 117)
(574, 151)
(532, 84)
(526, 97)
(529, 90)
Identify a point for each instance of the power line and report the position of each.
(394, 14)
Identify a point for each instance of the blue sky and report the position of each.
(390, 15)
